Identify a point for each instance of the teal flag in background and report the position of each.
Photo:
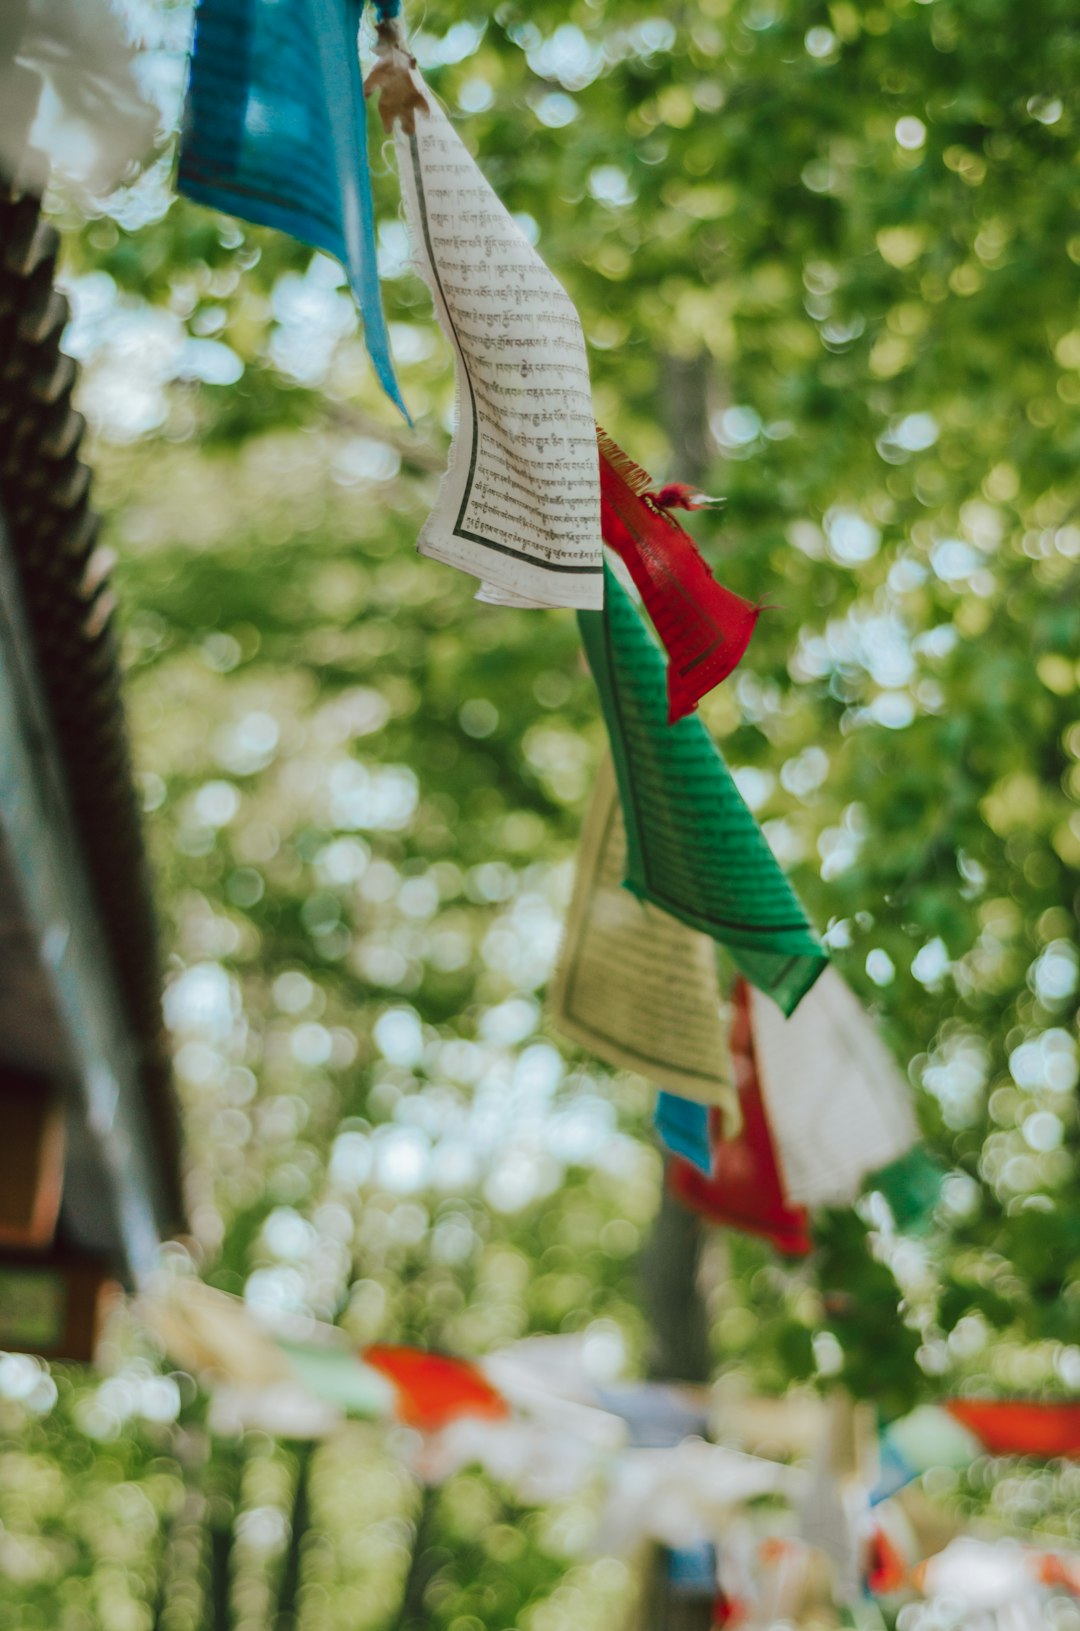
(275, 132)
(693, 847)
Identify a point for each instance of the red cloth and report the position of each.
(745, 1190)
(726, 1613)
(705, 627)
(886, 1569)
(433, 1389)
(1021, 1426)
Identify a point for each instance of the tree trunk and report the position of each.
(680, 1352)
(684, 411)
(671, 1260)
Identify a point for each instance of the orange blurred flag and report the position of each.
(434, 1389)
(1021, 1426)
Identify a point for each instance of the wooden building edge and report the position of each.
(90, 1153)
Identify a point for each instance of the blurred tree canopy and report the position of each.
(827, 261)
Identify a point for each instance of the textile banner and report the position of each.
(275, 132)
(636, 987)
(705, 628)
(519, 506)
(683, 1127)
(693, 848)
(745, 1190)
(837, 1101)
(433, 1389)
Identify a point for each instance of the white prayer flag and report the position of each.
(837, 1103)
(519, 506)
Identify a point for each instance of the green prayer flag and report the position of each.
(693, 847)
(339, 1377)
(912, 1186)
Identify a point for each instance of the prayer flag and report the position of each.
(684, 1128)
(693, 847)
(72, 98)
(636, 987)
(838, 1103)
(912, 1186)
(275, 132)
(433, 1389)
(928, 1437)
(1038, 1427)
(705, 628)
(745, 1190)
(519, 506)
(886, 1569)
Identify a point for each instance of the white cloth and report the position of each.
(837, 1103)
(519, 506)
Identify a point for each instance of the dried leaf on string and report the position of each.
(391, 79)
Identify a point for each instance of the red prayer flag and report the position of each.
(433, 1389)
(886, 1570)
(726, 1613)
(705, 628)
(1021, 1426)
(745, 1190)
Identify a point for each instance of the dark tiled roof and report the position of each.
(53, 533)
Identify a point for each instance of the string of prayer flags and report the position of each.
(693, 847)
(838, 1103)
(433, 1389)
(684, 1128)
(704, 627)
(275, 132)
(744, 1190)
(538, 1418)
(636, 987)
(519, 506)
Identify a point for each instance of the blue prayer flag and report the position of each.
(275, 132)
(691, 1570)
(894, 1471)
(683, 1126)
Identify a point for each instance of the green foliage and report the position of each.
(827, 262)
